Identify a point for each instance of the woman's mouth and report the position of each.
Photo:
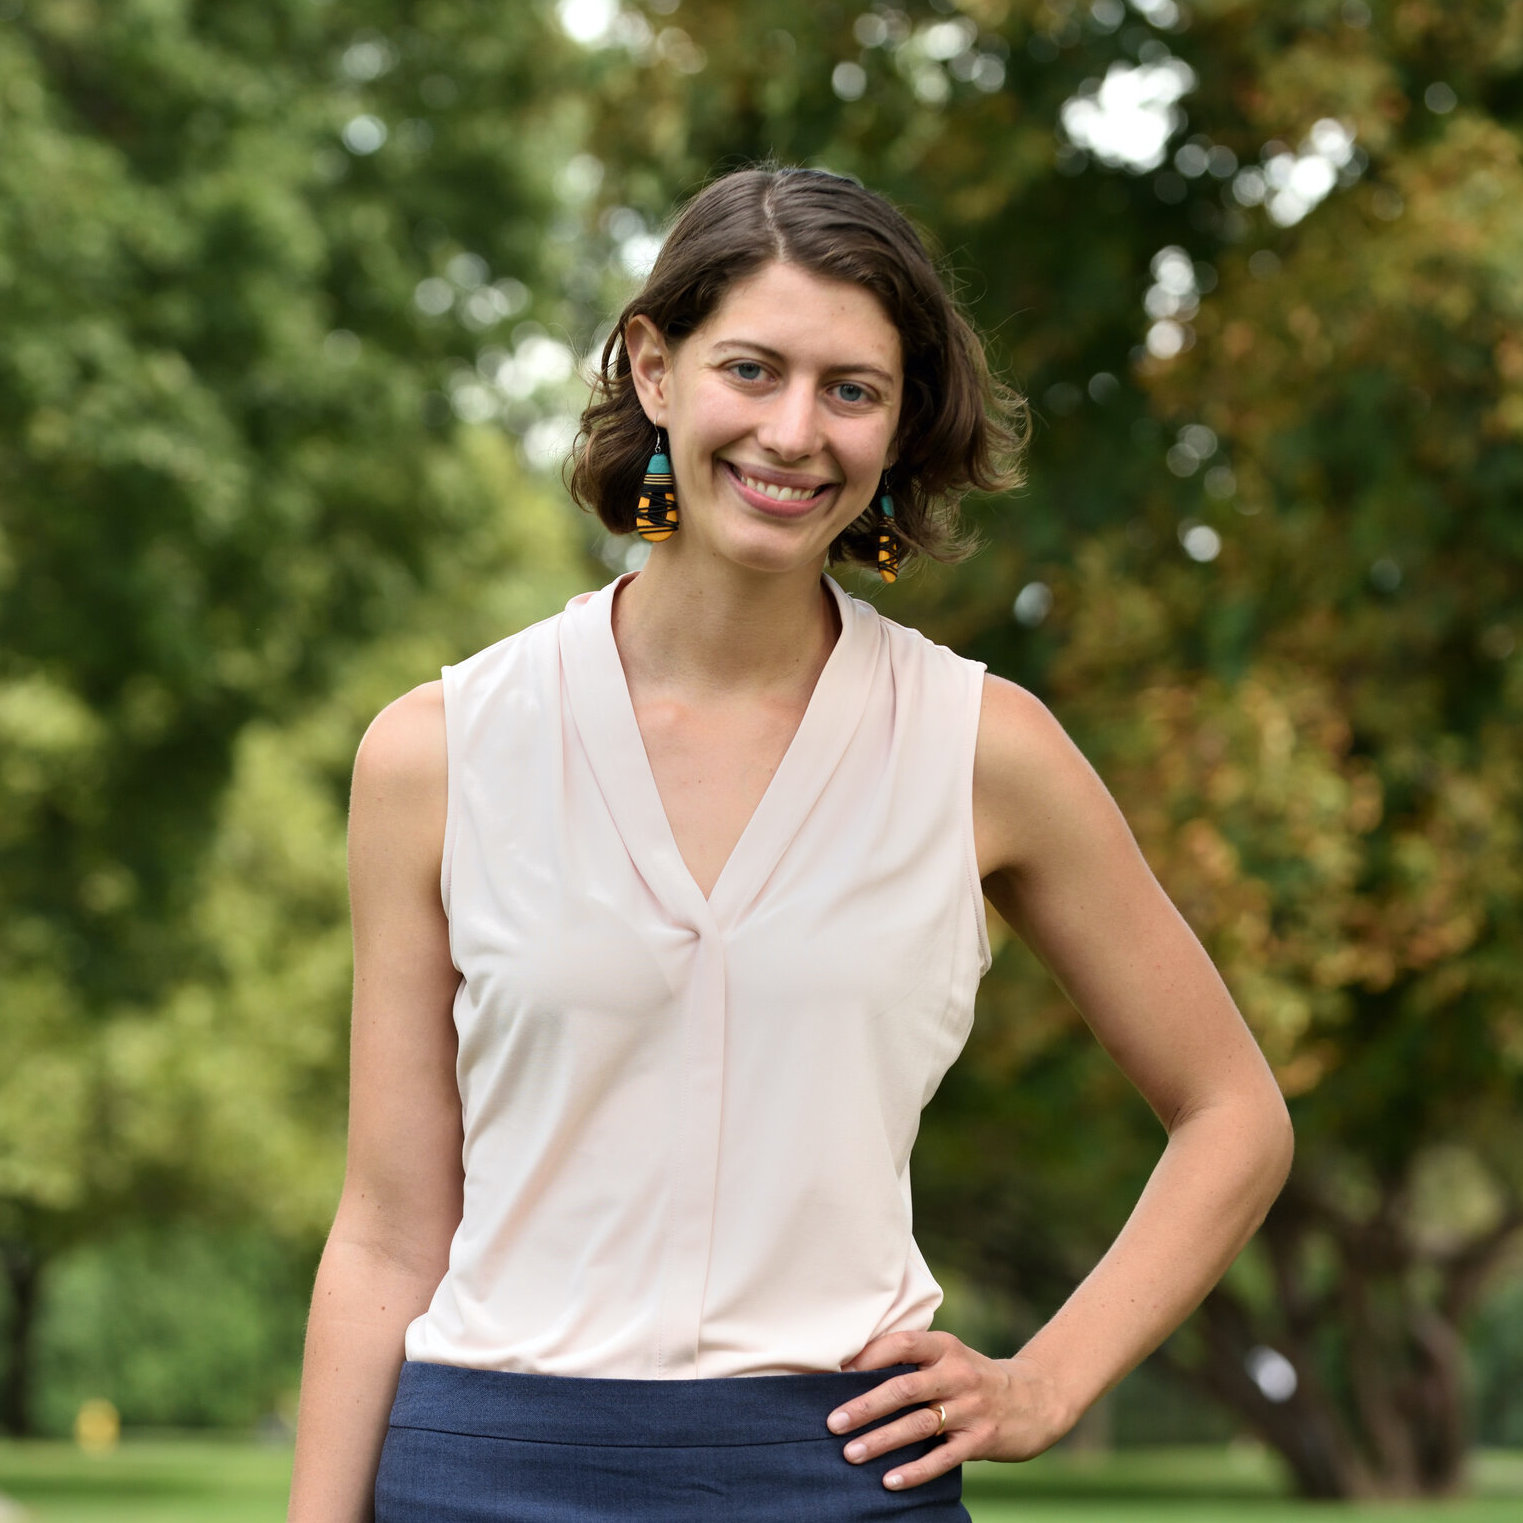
(774, 497)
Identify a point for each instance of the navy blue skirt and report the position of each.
(484, 1446)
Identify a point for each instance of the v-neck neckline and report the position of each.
(604, 714)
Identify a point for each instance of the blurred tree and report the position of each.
(247, 255)
(1259, 268)
(179, 1325)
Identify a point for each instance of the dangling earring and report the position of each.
(656, 514)
(888, 541)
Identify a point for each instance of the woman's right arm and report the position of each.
(401, 1200)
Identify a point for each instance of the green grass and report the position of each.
(158, 1480)
(1196, 1485)
(195, 1480)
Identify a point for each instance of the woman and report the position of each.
(668, 919)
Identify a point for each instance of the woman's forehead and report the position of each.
(794, 312)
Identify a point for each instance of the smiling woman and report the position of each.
(669, 918)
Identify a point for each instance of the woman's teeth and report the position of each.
(777, 493)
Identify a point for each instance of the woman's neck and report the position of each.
(725, 630)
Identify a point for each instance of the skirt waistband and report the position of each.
(741, 1409)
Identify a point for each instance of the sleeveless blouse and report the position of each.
(688, 1121)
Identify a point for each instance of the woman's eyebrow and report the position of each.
(859, 367)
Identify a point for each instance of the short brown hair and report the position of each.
(959, 428)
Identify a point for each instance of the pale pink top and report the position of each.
(688, 1122)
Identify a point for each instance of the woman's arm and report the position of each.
(1062, 867)
(402, 1186)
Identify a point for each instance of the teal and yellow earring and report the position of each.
(656, 515)
(888, 541)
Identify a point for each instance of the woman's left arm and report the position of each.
(1062, 867)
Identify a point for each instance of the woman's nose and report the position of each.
(791, 428)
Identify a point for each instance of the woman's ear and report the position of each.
(650, 364)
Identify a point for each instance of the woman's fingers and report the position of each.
(901, 1348)
(886, 1397)
(927, 1389)
(916, 1427)
(942, 1458)
(913, 1428)
(928, 1383)
(956, 1394)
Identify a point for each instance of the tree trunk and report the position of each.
(1312, 1444)
(1440, 1435)
(1308, 1431)
(23, 1274)
(1391, 1421)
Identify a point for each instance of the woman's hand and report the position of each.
(995, 1409)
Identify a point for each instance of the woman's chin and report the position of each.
(773, 559)
(768, 548)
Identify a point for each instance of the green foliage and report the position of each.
(176, 1327)
(220, 468)
(229, 469)
(1498, 1356)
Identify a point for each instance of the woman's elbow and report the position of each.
(1276, 1138)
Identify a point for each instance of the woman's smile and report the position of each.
(776, 493)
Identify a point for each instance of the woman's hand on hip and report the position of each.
(984, 1409)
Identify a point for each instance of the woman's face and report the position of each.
(782, 410)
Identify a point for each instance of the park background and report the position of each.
(296, 299)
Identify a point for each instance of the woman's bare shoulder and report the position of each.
(1031, 783)
(398, 798)
(403, 751)
(1012, 720)
(1021, 745)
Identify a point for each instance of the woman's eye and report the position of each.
(850, 391)
(747, 370)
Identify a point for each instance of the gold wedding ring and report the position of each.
(941, 1427)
